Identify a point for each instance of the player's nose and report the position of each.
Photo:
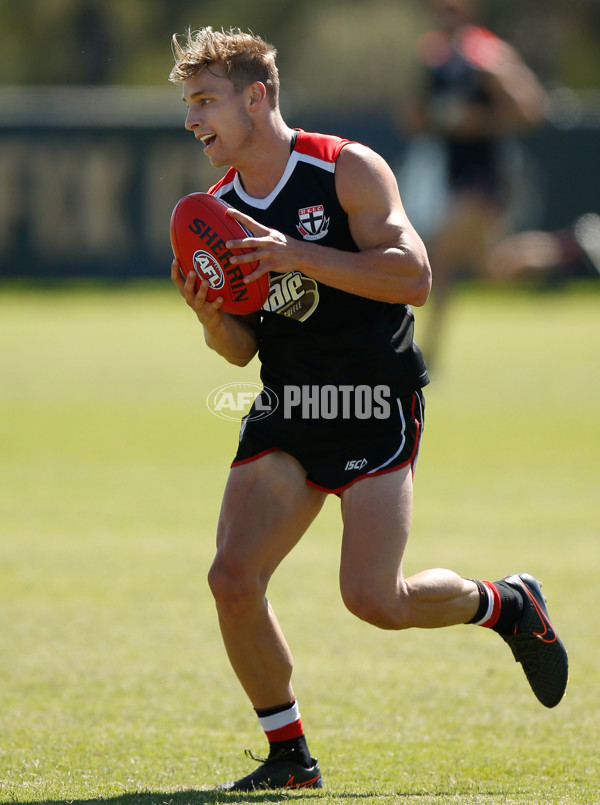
(192, 120)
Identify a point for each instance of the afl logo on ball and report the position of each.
(207, 268)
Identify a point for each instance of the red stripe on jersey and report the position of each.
(227, 179)
(321, 146)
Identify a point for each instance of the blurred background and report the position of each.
(112, 674)
(93, 154)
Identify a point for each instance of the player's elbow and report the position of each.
(420, 287)
(234, 357)
(421, 292)
(239, 360)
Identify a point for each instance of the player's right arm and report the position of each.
(520, 98)
(232, 337)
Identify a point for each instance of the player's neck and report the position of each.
(270, 154)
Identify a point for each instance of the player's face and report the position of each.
(452, 14)
(217, 115)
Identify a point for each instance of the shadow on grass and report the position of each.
(199, 797)
(195, 797)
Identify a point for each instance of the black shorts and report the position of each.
(337, 452)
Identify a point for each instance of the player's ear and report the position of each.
(257, 92)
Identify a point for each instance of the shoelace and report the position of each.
(277, 757)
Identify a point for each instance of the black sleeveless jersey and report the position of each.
(311, 332)
(451, 76)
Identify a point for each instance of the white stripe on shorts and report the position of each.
(402, 441)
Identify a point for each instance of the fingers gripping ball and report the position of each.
(200, 228)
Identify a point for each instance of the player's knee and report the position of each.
(371, 606)
(234, 591)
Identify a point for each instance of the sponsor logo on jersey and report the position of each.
(292, 295)
(207, 268)
(313, 223)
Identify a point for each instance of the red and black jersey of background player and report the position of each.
(454, 75)
(306, 326)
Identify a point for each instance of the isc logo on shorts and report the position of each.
(356, 464)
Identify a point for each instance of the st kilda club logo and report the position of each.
(313, 223)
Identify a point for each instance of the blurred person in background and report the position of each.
(475, 94)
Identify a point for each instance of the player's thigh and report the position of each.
(267, 507)
(470, 228)
(377, 514)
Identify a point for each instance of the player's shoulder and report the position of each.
(335, 153)
(321, 147)
(358, 159)
(478, 45)
(433, 48)
(224, 184)
(364, 179)
(482, 48)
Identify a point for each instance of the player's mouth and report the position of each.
(207, 140)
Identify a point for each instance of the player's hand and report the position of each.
(275, 251)
(208, 313)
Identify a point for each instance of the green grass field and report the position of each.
(114, 686)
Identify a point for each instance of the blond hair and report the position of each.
(245, 57)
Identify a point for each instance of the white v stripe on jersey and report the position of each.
(265, 203)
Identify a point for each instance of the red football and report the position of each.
(200, 228)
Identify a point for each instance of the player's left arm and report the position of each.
(391, 264)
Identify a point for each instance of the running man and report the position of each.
(475, 93)
(327, 222)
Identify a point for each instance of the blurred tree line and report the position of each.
(331, 52)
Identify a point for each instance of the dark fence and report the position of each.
(89, 176)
